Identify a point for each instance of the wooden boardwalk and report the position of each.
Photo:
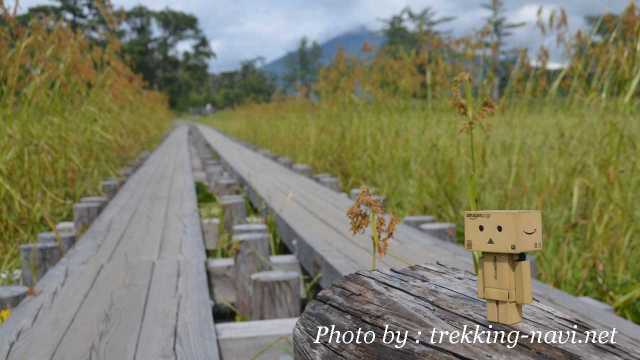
(311, 219)
(134, 286)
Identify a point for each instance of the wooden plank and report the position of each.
(126, 281)
(57, 321)
(315, 217)
(259, 340)
(418, 300)
(107, 226)
(117, 335)
(195, 332)
(161, 315)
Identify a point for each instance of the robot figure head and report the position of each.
(503, 231)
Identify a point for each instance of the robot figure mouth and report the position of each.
(530, 233)
(490, 241)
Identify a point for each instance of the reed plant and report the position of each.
(562, 141)
(71, 113)
(579, 165)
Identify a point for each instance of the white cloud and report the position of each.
(244, 29)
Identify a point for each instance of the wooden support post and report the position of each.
(234, 210)
(213, 173)
(331, 182)
(210, 232)
(46, 237)
(256, 340)
(221, 280)
(319, 177)
(84, 213)
(302, 169)
(226, 186)
(64, 240)
(266, 153)
(211, 163)
(288, 263)
(275, 295)
(252, 257)
(110, 188)
(249, 228)
(417, 220)
(442, 231)
(285, 161)
(67, 233)
(66, 227)
(100, 201)
(36, 260)
(10, 296)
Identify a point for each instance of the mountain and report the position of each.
(350, 41)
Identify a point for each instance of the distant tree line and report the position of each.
(167, 47)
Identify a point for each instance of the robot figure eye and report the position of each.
(499, 228)
(481, 228)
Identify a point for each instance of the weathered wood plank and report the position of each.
(256, 340)
(314, 217)
(275, 294)
(112, 292)
(161, 316)
(422, 298)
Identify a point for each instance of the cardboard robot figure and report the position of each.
(504, 273)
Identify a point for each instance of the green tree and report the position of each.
(498, 28)
(303, 66)
(166, 47)
(248, 84)
(170, 51)
(413, 31)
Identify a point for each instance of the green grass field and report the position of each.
(579, 165)
(71, 115)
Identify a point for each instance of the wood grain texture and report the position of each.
(134, 286)
(421, 298)
(252, 257)
(235, 211)
(256, 340)
(275, 295)
(311, 219)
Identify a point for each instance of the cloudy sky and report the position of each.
(244, 29)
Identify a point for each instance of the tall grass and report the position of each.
(71, 113)
(562, 141)
(579, 165)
